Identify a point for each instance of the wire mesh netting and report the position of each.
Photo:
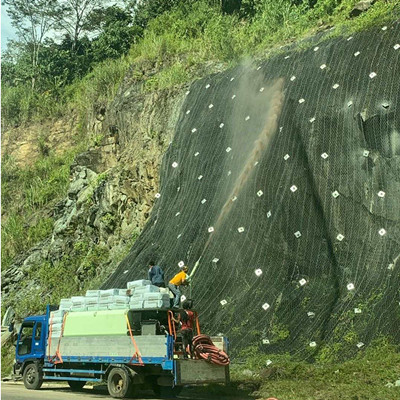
(283, 180)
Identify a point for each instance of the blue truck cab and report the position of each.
(148, 354)
(30, 349)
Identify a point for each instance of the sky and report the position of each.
(7, 31)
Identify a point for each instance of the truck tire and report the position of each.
(76, 386)
(32, 377)
(119, 383)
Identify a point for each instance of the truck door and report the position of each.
(30, 341)
(24, 343)
(38, 338)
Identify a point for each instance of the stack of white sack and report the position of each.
(78, 303)
(156, 300)
(55, 323)
(115, 302)
(137, 284)
(136, 301)
(65, 304)
(145, 295)
(92, 300)
(138, 295)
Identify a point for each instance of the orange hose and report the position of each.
(205, 349)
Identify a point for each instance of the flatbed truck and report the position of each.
(126, 349)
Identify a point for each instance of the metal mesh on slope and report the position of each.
(308, 252)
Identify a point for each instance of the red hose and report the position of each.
(204, 349)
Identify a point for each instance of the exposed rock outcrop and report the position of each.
(112, 186)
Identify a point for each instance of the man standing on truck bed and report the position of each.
(179, 279)
(156, 275)
(186, 318)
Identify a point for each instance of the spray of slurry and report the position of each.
(260, 145)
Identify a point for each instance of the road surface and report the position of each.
(51, 391)
(17, 391)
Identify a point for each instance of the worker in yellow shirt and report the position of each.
(179, 279)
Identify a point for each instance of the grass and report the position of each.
(96, 90)
(364, 377)
(85, 267)
(7, 358)
(28, 195)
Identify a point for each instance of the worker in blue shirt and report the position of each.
(156, 275)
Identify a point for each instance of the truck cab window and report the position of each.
(38, 332)
(25, 340)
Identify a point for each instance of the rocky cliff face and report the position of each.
(111, 192)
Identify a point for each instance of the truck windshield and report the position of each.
(25, 340)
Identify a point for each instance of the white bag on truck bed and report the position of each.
(90, 301)
(65, 305)
(56, 320)
(147, 304)
(136, 297)
(114, 300)
(156, 296)
(135, 284)
(57, 314)
(136, 305)
(56, 327)
(146, 289)
(92, 293)
(78, 300)
(109, 292)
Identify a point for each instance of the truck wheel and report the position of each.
(119, 383)
(32, 377)
(76, 386)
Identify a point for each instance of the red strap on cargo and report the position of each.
(57, 358)
(171, 324)
(137, 352)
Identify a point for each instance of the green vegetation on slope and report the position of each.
(172, 43)
(372, 374)
(7, 359)
(28, 195)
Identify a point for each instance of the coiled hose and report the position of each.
(205, 349)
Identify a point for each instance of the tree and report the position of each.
(146, 10)
(61, 65)
(117, 33)
(33, 20)
(75, 16)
